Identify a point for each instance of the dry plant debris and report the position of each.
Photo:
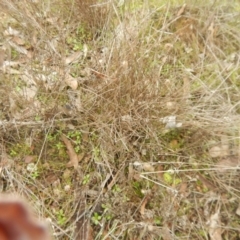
(71, 153)
(215, 231)
(121, 119)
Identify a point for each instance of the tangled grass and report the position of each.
(147, 95)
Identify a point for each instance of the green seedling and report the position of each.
(170, 179)
(96, 218)
(51, 137)
(158, 221)
(116, 189)
(137, 189)
(107, 215)
(33, 169)
(14, 54)
(34, 175)
(77, 40)
(37, 118)
(86, 179)
(59, 145)
(20, 150)
(61, 219)
(13, 153)
(76, 137)
(96, 153)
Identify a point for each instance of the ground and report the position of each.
(121, 119)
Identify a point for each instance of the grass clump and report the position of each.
(146, 97)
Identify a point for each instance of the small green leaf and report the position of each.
(167, 176)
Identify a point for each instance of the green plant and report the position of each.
(52, 137)
(77, 39)
(20, 149)
(37, 117)
(76, 137)
(96, 218)
(106, 214)
(61, 218)
(14, 54)
(76, 44)
(86, 179)
(96, 153)
(158, 220)
(33, 169)
(34, 174)
(13, 153)
(59, 145)
(137, 188)
(116, 188)
(170, 179)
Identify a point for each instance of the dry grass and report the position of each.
(147, 94)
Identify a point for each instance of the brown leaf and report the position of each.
(238, 210)
(51, 178)
(160, 170)
(227, 163)
(71, 153)
(215, 232)
(181, 10)
(166, 233)
(71, 82)
(183, 188)
(148, 167)
(144, 203)
(18, 40)
(2, 56)
(130, 172)
(6, 161)
(83, 230)
(81, 157)
(218, 151)
(211, 31)
(29, 158)
(72, 58)
(221, 149)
